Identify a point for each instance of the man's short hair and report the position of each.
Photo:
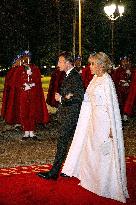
(68, 56)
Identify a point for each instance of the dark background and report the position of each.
(46, 27)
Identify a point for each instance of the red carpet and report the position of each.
(21, 186)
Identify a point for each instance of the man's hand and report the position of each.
(58, 97)
(68, 96)
(126, 84)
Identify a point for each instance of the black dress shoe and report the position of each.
(64, 175)
(47, 175)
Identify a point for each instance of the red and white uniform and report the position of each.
(122, 78)
(130, 103)
(23, 98)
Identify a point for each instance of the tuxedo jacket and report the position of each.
(68, 110)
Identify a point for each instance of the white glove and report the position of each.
(32, 85)
(27, 86)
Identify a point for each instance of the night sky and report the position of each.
(46, 27)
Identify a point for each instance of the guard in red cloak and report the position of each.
(122, 79)
(54, 87)
(23, 98)
(130, 103)
(86, 74)
(8, 90)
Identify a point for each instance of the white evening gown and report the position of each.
(95, 159)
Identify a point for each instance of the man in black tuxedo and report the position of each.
(70, 100)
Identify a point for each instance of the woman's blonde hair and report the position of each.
(103, 60)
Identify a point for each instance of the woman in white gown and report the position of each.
(96, 156)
